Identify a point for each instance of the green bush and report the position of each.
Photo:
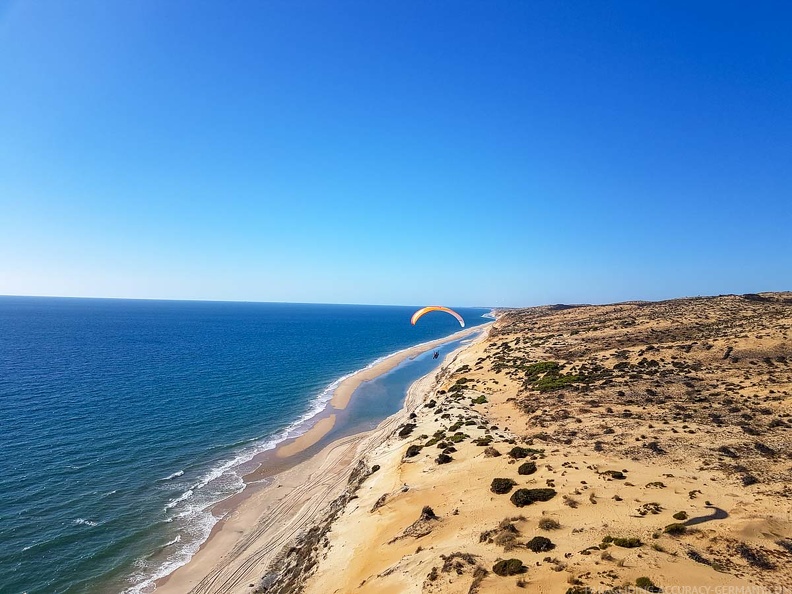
(506, 567)
(647, 584)
(518, 452)
(501, 486)
(627, 543)
(523, 497)
(527, 468)
(675, 529)
(413, 450)
(539, 544)
(406, 429)
(680, 516)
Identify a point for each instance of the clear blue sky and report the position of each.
(463, 153)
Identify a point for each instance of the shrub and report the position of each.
(506, 567)
(413, 450)
(443, 459)
(615, 474)
(539, 544)
(680, 516)
(523, 497)
(517, 452)
(501, 485)
(483, 441)
(527, 468)
(480, 400)
(375, 468)
(549, 524)
(627, 543)
(407, 429)
(675, 529)
(647, 584)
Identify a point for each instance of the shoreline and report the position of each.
(249, 531)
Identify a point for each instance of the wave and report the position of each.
(490, 315)
(173, 476)
(198, 530)
(183, 497)
(197, 518)
(84, 522)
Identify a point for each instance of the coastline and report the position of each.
(579, 449)
(300, 483)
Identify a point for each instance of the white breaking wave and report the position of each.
(197, 518)
(174, 502)
(83, 521)
(198, 529)
(173, 476)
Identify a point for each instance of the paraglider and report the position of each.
(426, 310)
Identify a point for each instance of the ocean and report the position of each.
(122, 422)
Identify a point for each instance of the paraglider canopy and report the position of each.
(425, 310)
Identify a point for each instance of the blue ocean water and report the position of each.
(123, 422)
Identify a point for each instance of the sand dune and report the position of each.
(648, 435)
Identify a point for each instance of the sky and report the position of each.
(395, 152)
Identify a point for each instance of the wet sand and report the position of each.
(307, 439)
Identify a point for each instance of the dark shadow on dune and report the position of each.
(718, 514)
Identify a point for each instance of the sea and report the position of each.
(124, 422)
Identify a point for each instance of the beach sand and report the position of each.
(264, 519)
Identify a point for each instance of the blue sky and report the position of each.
(464, 153)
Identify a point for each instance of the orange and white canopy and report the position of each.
(425, 310)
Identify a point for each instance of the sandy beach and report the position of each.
(267, 518)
